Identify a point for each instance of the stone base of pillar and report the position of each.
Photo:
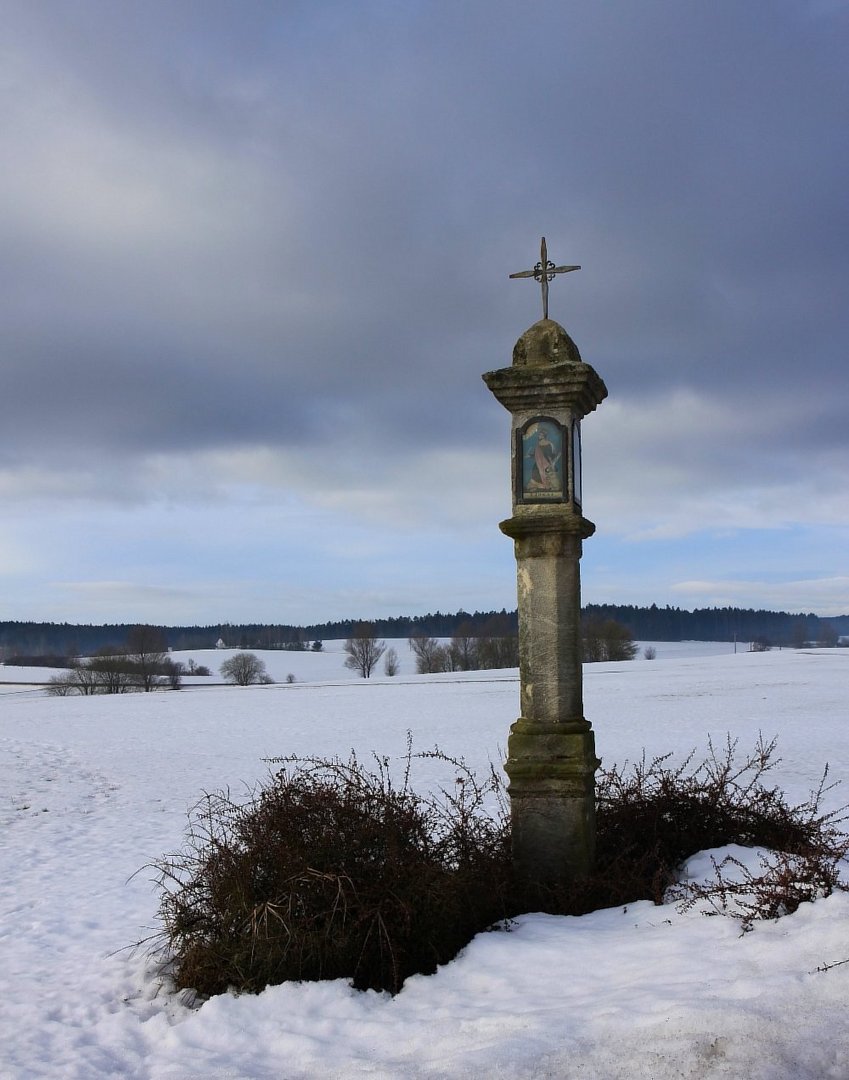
(552, 800)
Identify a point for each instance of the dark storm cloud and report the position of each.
(264, 224)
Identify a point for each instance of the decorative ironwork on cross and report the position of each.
(544, 272)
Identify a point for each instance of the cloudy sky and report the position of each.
(255, 258)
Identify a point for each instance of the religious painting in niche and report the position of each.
(541, 454)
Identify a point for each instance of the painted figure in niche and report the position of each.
(542, 452)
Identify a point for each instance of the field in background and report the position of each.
(329, 664)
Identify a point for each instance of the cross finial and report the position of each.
(544, 272)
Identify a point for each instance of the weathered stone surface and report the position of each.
(552, 780)
(547, 530)
(547, 374)
(546, 342)
(575, 387)
(551, 758)
(549, 601)
(553, 836)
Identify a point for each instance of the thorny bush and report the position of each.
(331, 871)
(655, 815)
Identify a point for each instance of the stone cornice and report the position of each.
(543, 521)
(568, 385)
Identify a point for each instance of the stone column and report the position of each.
(551, 760)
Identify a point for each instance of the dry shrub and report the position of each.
(330, 871)
(783, 883)
(654, 816)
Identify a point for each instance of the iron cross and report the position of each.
(544, 272)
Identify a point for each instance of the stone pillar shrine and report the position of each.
(551, 759)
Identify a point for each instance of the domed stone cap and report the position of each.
(544, 343)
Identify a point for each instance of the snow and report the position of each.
(92, 789)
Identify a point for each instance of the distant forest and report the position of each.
(778, 628)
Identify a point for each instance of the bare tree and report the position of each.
(59, 685)
(464, 649)
(498, 644)
(77, 679)
(81, 678)
(245, 669)
(113, 671)
(620, 642)
(606, 639)
(173, 671)
(498, 652)
(390, 662)
(142, 665)
(147, 651)
(430, 655)
(363, 650)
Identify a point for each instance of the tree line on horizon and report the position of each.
(34, 640)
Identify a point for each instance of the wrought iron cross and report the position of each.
(544, 272)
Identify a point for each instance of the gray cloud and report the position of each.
(287, 229)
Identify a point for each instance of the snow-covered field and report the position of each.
(91, 789)
(329, 664)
